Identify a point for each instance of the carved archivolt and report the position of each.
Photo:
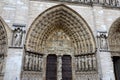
(65, 19)
(3, 46)
(114, 36)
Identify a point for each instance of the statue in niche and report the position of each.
(30, 62)
(94, 62)
(17, 37)
(1, 66)
(26, 61)
(36, 62)
(40, 63)
(76, 63)
(33, 63)
(89, 62)
(86, 63)
(103, 43)
(83, 62)
(79, 63)
(103, 40)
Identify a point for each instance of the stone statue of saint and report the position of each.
(79, 62)
(17, 38)
(0, 67)
(40, 63)
(103, 43)
(83, 63)
(94, 62)
(26, 61)
(1, 64)
(76, 63)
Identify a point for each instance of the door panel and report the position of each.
(66, 68)
(116, 61)
(51, 71)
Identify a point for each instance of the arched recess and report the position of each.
(114, 45)
(114, 36)
(62, 19)
(3, 46)
(61, 31)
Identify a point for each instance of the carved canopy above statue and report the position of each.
(56, 20)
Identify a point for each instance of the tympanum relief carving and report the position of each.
(58, 42)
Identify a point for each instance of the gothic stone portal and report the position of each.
(61, 32)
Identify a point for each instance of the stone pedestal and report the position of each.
(13, 64)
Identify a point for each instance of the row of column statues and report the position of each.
(85, 63)
(33, 62)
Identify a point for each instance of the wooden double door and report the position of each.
(116, 62)
(51, 67)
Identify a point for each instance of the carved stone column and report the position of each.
(59, 67)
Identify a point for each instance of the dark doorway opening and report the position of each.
(66, 68)
(116, 62)
(51, 67)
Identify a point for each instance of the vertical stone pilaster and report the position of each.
(105, 60)
(13, 64)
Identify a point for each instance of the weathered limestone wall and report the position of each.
(14, 11)
(13, 64)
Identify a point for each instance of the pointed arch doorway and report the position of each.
(51, 67)
(66, 67)
(114, 45)
(58, 65)
(61, 31)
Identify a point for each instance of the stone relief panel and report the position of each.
(31, 76)
(18, 34)
(59, 43)
(87, 76)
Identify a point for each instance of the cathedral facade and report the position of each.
(60, 40)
